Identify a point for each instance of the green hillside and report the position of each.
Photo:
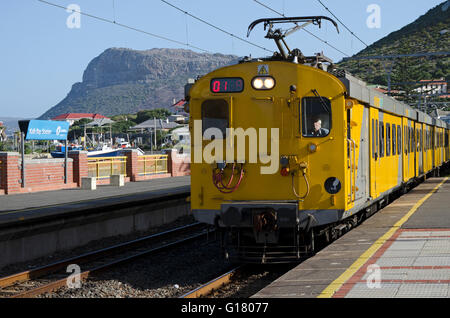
(429, 33)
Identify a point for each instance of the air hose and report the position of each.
(307, 187)
(218, 179)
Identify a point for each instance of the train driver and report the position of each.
(318, 131)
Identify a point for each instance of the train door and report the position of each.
(374, 154)
(447, 152)
(433, 145)
(419, 143)
(358, 152)
(406, 150)
(414, 146)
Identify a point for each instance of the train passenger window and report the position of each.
(421, 140)
(406, 140)
(399, 139)
(316, 116)
(215, 115)
(373, 138)
(388, 139)
(394, 140)
(418, 140)
(412, 139)
(381, 139)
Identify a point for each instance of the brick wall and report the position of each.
(48, 174)
(179, 164)
(80, 166)
(40, 174)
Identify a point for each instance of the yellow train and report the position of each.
(287, 149)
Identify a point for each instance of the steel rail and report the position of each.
(95, 255)
(212, 285)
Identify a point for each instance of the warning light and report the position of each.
(284, 171)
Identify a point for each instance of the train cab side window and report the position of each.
(394, 140)
(388, 139)
(215, 115)
(373, 138)
(399, 140)
(376, 138)
(316, 116)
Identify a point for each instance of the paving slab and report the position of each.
(378, 259)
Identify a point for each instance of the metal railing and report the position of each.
(104, 167)
(152, 164)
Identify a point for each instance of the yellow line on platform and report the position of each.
(336, 284)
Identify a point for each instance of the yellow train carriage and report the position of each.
(286, 149)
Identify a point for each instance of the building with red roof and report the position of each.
(73, 117)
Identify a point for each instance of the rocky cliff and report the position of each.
(120, 81)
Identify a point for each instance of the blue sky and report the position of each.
(41, 58)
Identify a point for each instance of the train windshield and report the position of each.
(215, 115)
(316, 116)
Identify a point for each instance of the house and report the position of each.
(73, 117)
(432, 87)
(179, 107)
(152, 124)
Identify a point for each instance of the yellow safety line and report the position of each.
(329, 291)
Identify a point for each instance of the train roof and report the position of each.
(358, 89)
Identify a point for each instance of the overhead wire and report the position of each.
(351, 32)
(127, 27)
(310, 33)
(214, 26)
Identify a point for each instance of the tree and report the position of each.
(158, 113)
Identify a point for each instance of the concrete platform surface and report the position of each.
(20, 207)
(401, 251)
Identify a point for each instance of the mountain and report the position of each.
(11, 124)
(121, 81)
(429, 33)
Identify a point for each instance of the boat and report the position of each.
(107, 151)
(60, 150)
(102, 150)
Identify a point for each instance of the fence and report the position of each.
(104, 167)
(152, 164)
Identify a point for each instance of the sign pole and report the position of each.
(22, 150)
(65, 161)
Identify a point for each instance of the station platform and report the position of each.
(402, 251)
(19, 208)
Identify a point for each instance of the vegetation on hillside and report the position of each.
(429, 33)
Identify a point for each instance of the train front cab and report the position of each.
(319, 178)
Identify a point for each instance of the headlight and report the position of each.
(263, 83)
(258, 83)
(269, 83)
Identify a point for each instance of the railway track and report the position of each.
(240, 282)
(215, 284)
(53, 276)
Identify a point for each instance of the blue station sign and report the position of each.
(45, 129)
